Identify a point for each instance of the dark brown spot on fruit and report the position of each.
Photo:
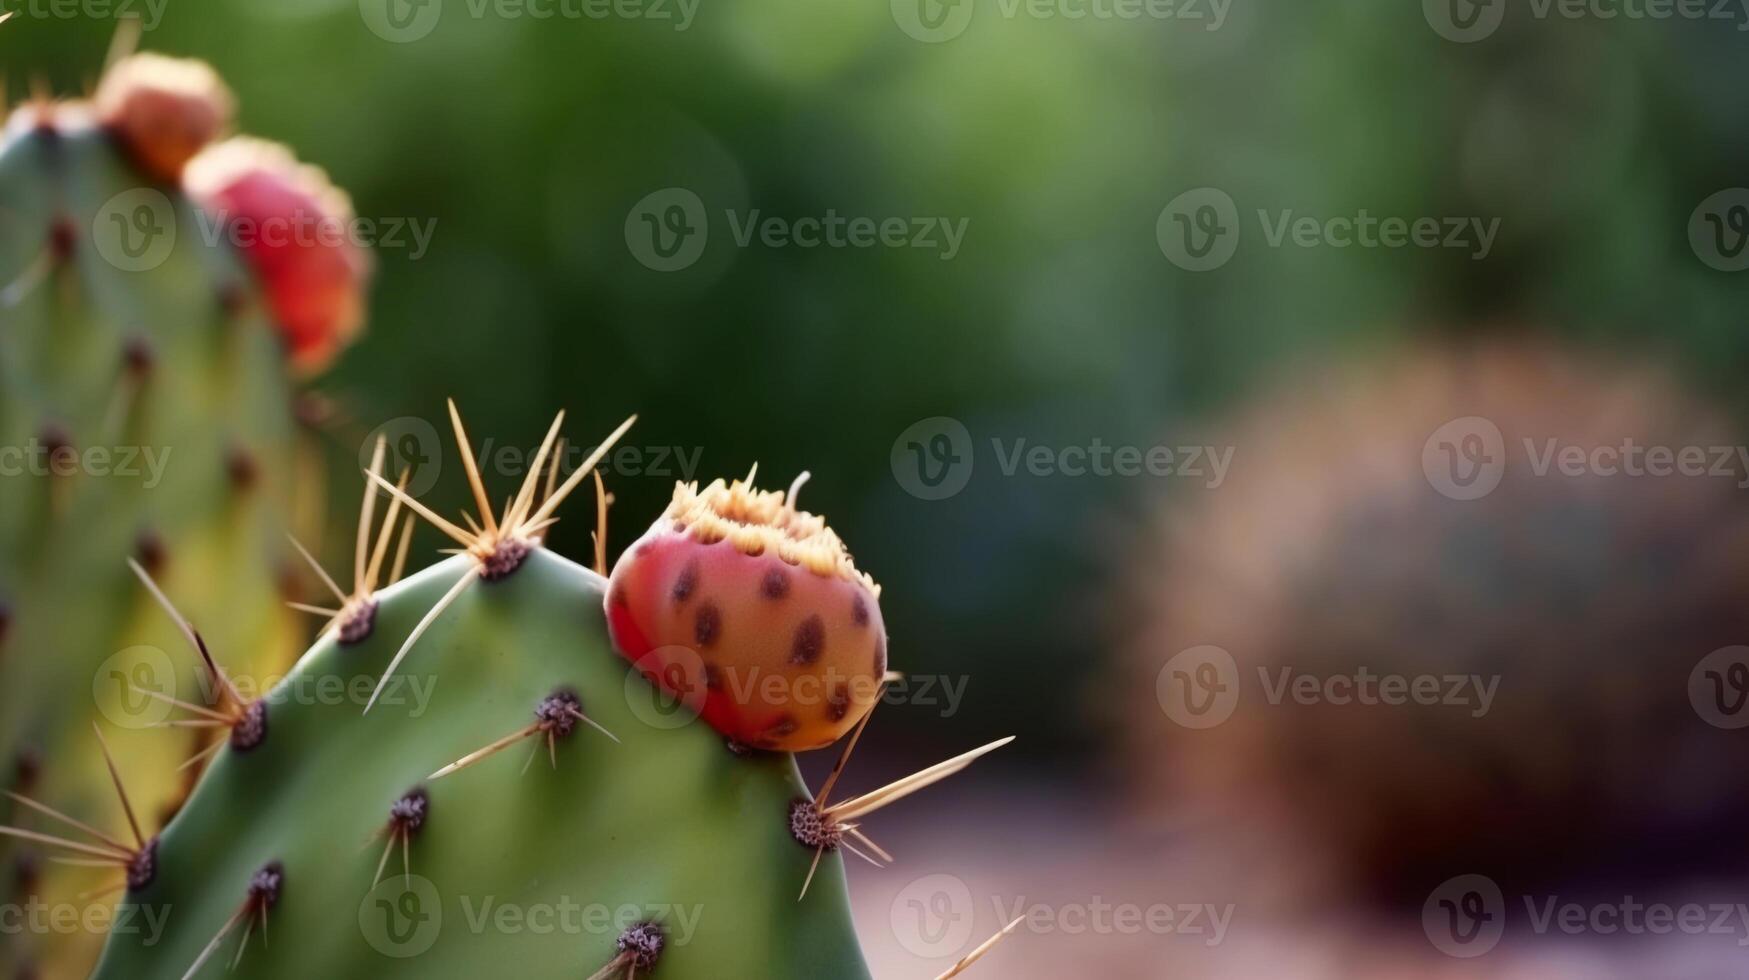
(687, 583)
(859, 610)
(707, 625)
(810, 641)
(838, 704)
(775, 584)
(713, 677)
(880, 657)
(783, 728)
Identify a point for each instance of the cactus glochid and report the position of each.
(145, 398)
(623, 800)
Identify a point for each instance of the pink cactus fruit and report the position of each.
(295, 228)
(753, 613)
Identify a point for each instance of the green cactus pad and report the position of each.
(534, 871)
(162, 374)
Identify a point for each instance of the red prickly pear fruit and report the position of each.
(163, 110)
(294, 227)
(752, 613)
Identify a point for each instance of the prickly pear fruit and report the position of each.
(163, 110)
(753, 613)
(643, 844)
(294, 228)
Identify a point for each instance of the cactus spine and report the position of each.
(483, 756)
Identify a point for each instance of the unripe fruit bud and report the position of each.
(163, 110)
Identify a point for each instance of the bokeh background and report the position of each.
(1610, 305)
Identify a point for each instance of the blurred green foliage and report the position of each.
(529, 140)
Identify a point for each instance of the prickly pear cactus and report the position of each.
(664, 825)
(465, 777)
(146, 409)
